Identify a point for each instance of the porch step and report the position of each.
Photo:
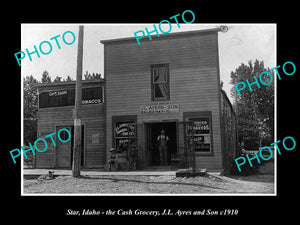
(190, 173)
(160, 168)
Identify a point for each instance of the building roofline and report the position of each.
(64, 83)
(162, 35)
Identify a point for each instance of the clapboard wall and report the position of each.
(229, 132)
(194, 81)
(92, 120)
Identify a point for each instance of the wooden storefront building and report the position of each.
(170, 83)
(56, 104)
(164, 84)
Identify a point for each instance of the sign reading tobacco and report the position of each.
(92, 95)
(159, 108)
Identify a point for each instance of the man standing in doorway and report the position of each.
(162, 146)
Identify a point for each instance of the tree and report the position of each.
(88, 76)
(45, 77)
(30, 107)
(57, 79)
(68, 78)
(255, 110)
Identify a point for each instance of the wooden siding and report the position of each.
(92, 120)
(194, 81)
(229, 132)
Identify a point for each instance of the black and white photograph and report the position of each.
(154, 113)
(137, 115)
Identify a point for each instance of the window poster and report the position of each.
(198, 130)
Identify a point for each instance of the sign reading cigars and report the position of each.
(159, 108)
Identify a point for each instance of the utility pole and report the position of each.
(77, 111)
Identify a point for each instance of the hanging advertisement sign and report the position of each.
(91, 95)
(159, 108)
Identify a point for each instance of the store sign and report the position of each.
(159, 108)
(198, 132)
(200, 125)
(124, 129)
(92, 95)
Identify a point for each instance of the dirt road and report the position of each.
(151, 185)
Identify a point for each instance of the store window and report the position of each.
(160, 87)
(124, 135)
(198, 131)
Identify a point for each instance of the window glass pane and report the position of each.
(199, 132)
(160, 82)
(123, 143)
(160, 91)
(125, 133)
(200, 125)
(160, 74)
(124, 129)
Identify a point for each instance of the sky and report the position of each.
(241, 43)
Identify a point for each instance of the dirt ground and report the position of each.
(149, 185)
(212, 184)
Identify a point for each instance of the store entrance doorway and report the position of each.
(153, 131)
(64, 150)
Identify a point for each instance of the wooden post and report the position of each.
(77, 111)
(193, 149)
